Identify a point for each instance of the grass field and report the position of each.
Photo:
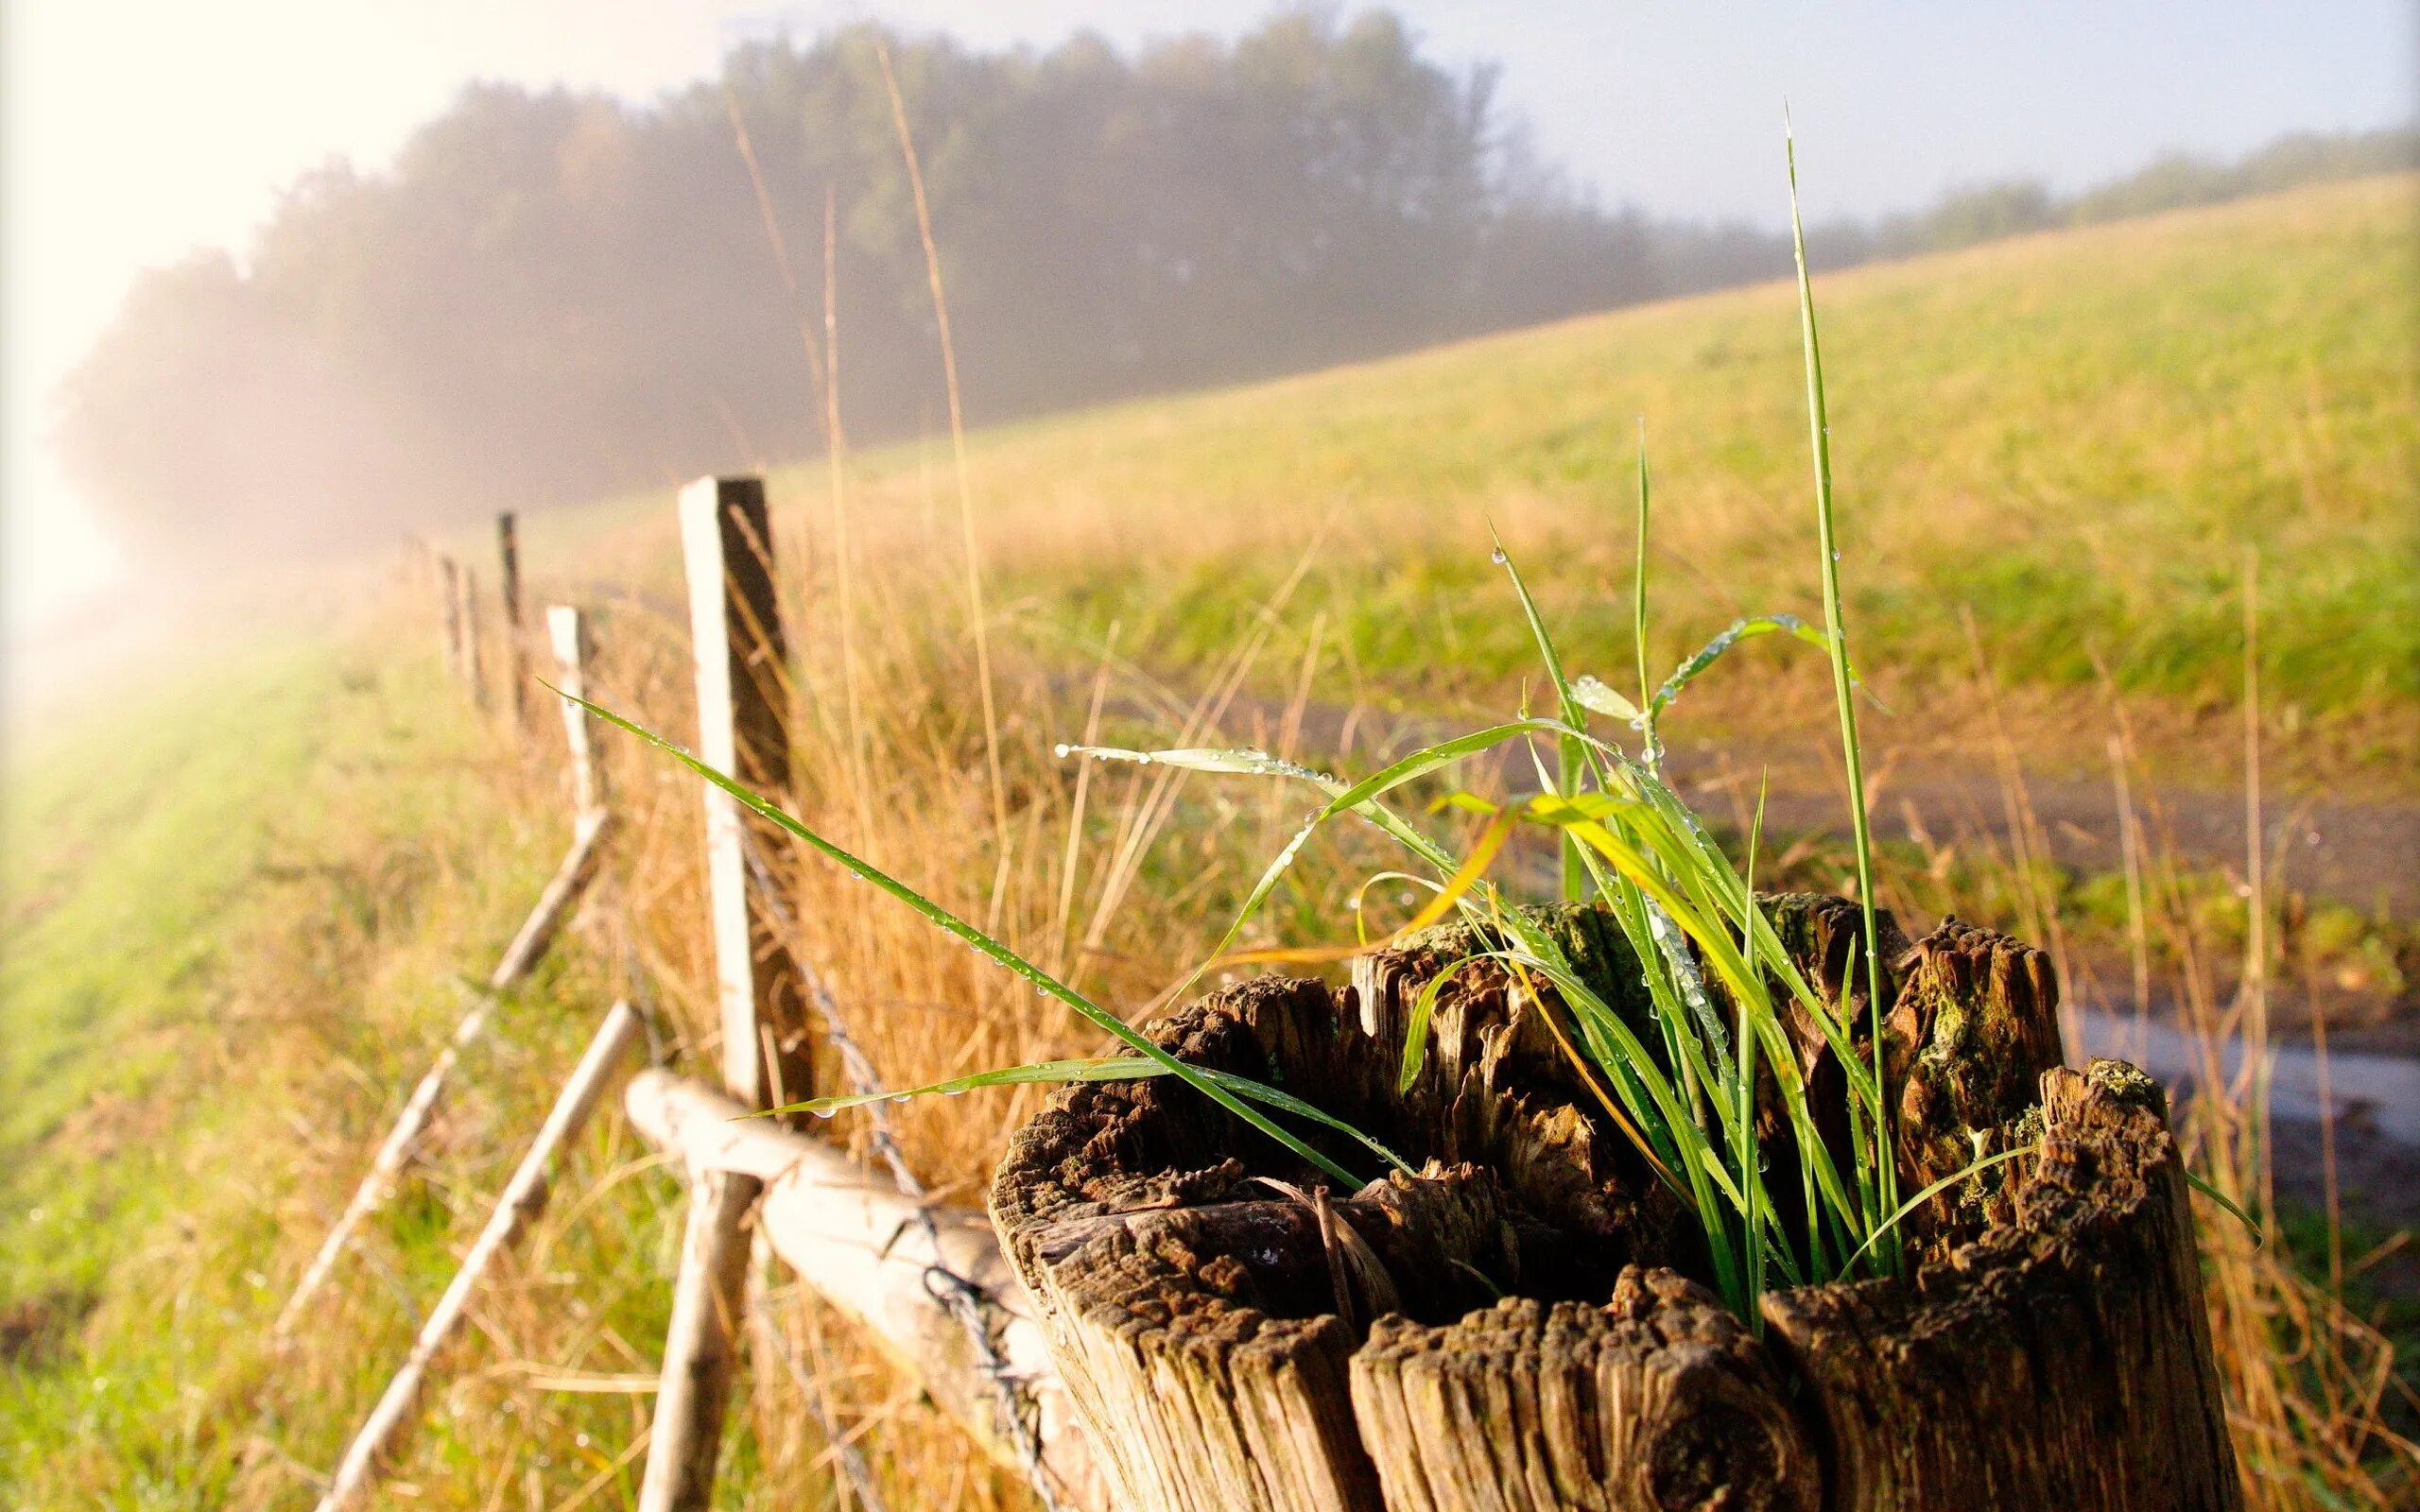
(234, 918)
(235, 914)
(2074, 436)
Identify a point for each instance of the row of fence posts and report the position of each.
(457, 587)
(743, 729)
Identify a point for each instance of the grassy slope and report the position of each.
(2073, 434)
(232, 921)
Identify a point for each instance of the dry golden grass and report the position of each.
(1120, 877)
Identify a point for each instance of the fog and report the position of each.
(553, 296)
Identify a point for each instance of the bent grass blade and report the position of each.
(1211, 1086)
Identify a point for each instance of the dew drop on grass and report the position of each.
(824, 1113)
(900, 1097)
(1497, 556)
(1063, 751)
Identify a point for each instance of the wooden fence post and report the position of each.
(467, 594)
(735, 631)
(568, 636)
(701, 1344)
(743, 729)
(449, 589)
(516, 658)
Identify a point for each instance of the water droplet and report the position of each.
(1497, 556)
(821, 1112)
(1063, 751)
(953, 1091)
(1835, 555)
(900, 1097)
(1144, 760)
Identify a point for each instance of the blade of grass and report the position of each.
(1820, 437)
(983, 944)
(1465, 877)
(1901, 1212)
(1568, 750)
(1638, 608)
(1745, 1122)
(1094, 1068)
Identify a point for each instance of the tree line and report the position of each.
(551, 296)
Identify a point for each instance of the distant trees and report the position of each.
(551, 296)
(1987, 211)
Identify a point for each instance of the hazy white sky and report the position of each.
(137, 129)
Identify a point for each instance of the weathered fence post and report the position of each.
(467, 594)
(449, 589)
(743, 729)
(516, 655)
(735, 630)
(1516, 1329)
(568, 635)
(701, 1344)
(522, 1199)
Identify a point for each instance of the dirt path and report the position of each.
(2362, 854)
(2366, 856)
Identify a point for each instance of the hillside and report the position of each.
(2073, 436)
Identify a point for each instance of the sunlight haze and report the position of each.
(137, 132)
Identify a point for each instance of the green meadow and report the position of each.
(2074, 437)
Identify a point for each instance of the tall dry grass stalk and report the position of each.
(971, 551)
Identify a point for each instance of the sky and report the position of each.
(133, 131)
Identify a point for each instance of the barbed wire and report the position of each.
(958, 1295)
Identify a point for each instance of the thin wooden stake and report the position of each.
(516, 655)
(420, 1110)
(523, 1197)
(864, 1247)
(569, 637)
